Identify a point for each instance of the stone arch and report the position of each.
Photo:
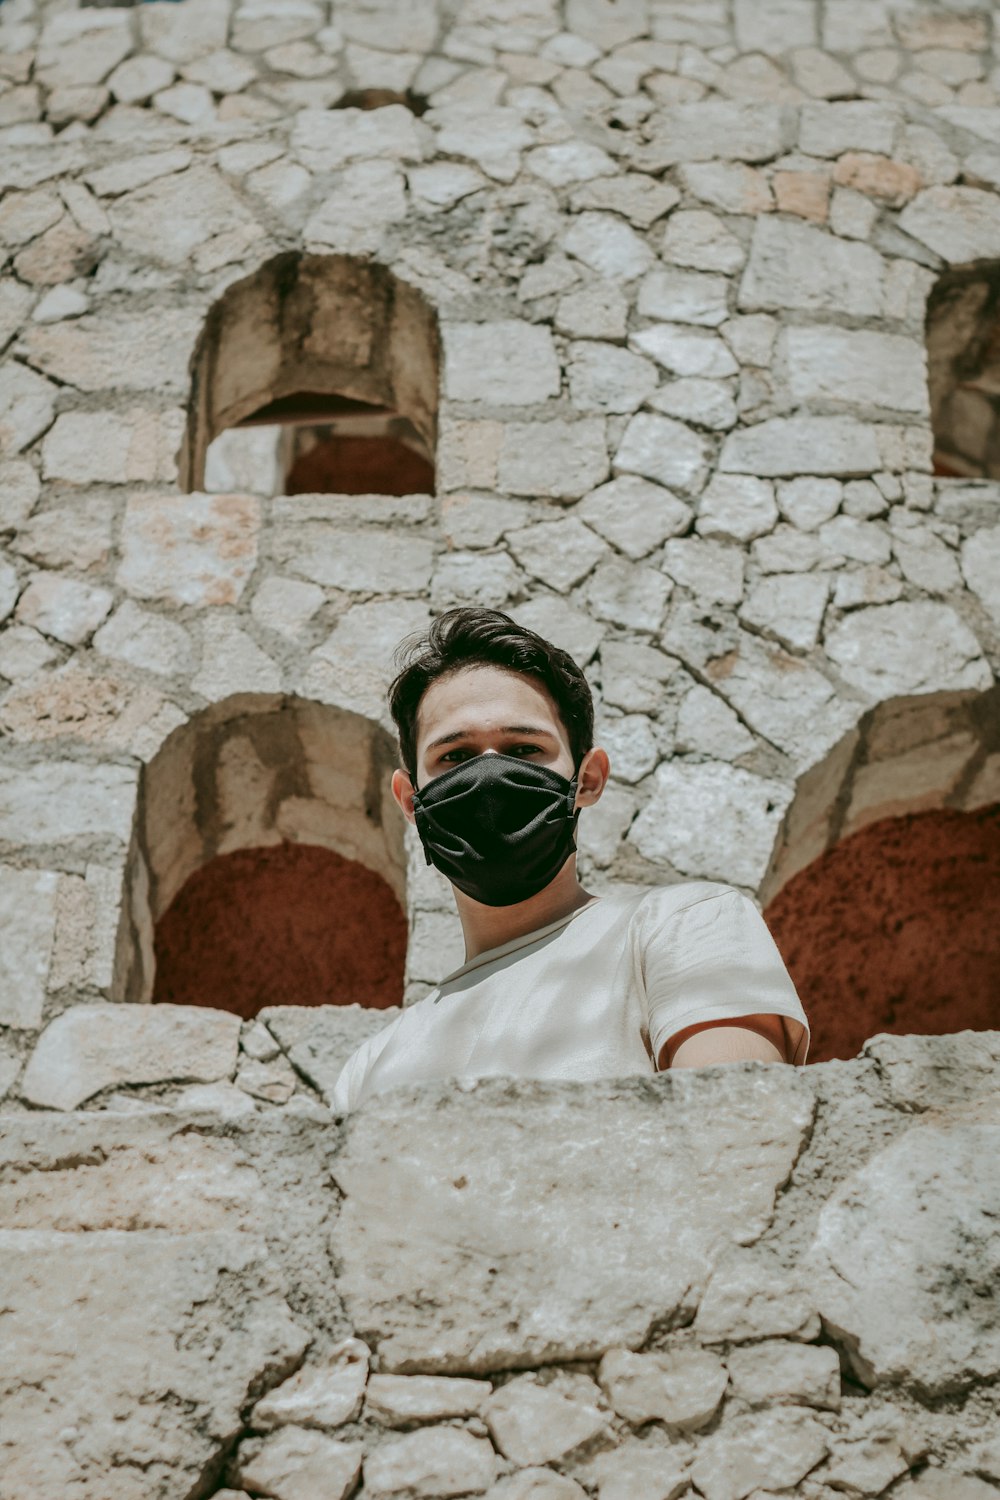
(884, 887)
(963, 358)
(287, 799)
(320, 349)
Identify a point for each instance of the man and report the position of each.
(498, 763)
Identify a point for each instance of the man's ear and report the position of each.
(404, 792)
(592, 777)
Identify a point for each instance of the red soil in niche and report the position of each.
(360, 466)
(288, 925)
(897, 929)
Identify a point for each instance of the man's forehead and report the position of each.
(485, 695)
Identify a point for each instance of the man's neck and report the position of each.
(487, 927)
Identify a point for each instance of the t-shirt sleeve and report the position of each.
(712, 959)
(349, 1087)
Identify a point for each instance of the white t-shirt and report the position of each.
(595, 994)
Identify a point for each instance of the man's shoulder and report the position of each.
(662, 901)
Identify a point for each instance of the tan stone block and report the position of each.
(894, 182)
(95, 447)
(319, 1395)
(60, 254)
(399, 1400)
(806, 194)
(64, 608)
(681, 1387)
(192, 549)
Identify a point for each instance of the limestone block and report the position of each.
(682, 1388)
(9, 588)
(189, 549)
(136, 171)
(353, 216)
(27, 406)
(443, 183)
(954, 1070)
(505, 363)
(788, 606)
(326, 1395)
(981, 567)
(146, 640)
(679, 296)
(560, 553)
(24, 216)
(770, 1449)
(286, 605)
(694, 237)
(558, 458)
(232, 662)
(711, 570)
(480, 520)
(958, 223)
(631, 744)
(605, 378)
(326, 140)
(628, 595)
(737, 508)
(702, 403)
(797, 266)
(927, 1200)
(597, 311)
(190, 103)
(663, 450)
(634, 515)
(487, 578)
(320, 1038)
(645, 1470)
(536, 1484)
(64, 608)
(686, 351)
(870, 585)
(404, 1400)
(356, 657)
(138, 78)
(559, 1285)
(569, 162)
(774, 1371)
(93, 1047)
(535, 1423)
(640, 199)
(297, 1464)
(258, 24)
(713, 130)
(81, 47)
(781, 697)
(434, 1463)
(945, 1484)
(907, 648)
(169, 219)
(851, 125)
(787, 550)
(186, 31)
(871, 1454)
(142, 1313)
(96, 447)
(19, 491)
(608, 246)
(809, 501)
(712, 821)
(848, 367)
(926, 561)
(492, 137)
(272, 1082)
(69, 533)
(752, 1296)
(65, 800)
(28, 921)
(802, 445)
(730, 186)
(134, 351)
(560, 622)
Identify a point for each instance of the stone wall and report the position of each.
(725, 1283)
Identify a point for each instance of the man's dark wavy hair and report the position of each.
(471, 637)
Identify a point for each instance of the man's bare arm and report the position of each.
(752, 1038)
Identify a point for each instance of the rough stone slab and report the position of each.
(713, 821)
(170, 219)
(65, 800)
(402, 1400)
(981, 567)
(647, 1470)
(923, 1072)
(110, 1320)
(507, 363)
(714, 129)
(536, 1484)
(325, 140)
(28, 922)
(907, 648)
(558, 458)
(771, 1450)
(459, 1278)
(958, 223)
(665, 451)
(802, 445)
(27, 406)
(786, 1373)
(320, 1038)
(535, 1423)
(881, 371)
(634, 515)
(190, 549)
(92, 1047)
(297, 1464)
(326, 1395)
(435, 1463)
(927, 1201)
(682, 1388)
(796, 266)
(751, 1296)
(132, 351)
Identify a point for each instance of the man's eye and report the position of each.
(456, 755)
(524, 750)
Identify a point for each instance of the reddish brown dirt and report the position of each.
(288, 925)
(360, 466)
(897, 929)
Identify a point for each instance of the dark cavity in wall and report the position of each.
(963, 357)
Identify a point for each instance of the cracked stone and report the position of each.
(771, 1449)
(634, 515)
(788, 606)
(711, 821)
(399, 1400)
(560, 553)
(709, 726)
(434, 1463)
(327, 1395)
(663, 450)
(686, 351)
(907, 648)
(682, 1388)
(27, 407)
(533, 1423)
(634, 597)
(298, 1464)
(64, 608)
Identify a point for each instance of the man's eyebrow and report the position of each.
(535, 730)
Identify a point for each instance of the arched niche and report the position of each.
(884, 889)
(319, 351)
(268, 820)
(963, 363)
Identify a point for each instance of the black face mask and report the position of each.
(500, 828)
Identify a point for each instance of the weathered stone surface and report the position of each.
(711, 570)
(296, 1464)
(646, 1470)
(320, 1038)
(326, 1395)
(354, 661)
(558, 621)
(170, 219)
(28, 921)
(608, 246)
(325, 140)
(696, 238)
(737, 508)
(731, 186)
(402, 1400)
(981, 567)
(536, 1484)
(786, 1373)
(704, 132)
(65, 800)
(558, 458)
(907, 648)
(702, 403)
(958, 223)
(508, 363)
(631, 596)
(145, 640)
(789, 607)
(63, 608)
(432, 1464)
(81, 47)
(605, 378)
(752, 1296)
(634, 515)
(192, 549)
(713, 821)
(809, 501)
(663, 450)
(486, 578)
(27, 406)
(927, 1200)
(796, 266)
(686, 351)
(232, 662)
(682, 1388)
(766, 1451)
(787, 701)
(871, 1454)
(93, 1047)
(536, 1287)
(113, 448)
(801, 445)
(844, 367)
(19, 490)
(132, 351)
(631, 745)
(492, 138)
(560, 553)
(850, 125)
(74, 533)
(708, 725)
(535, 1423)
